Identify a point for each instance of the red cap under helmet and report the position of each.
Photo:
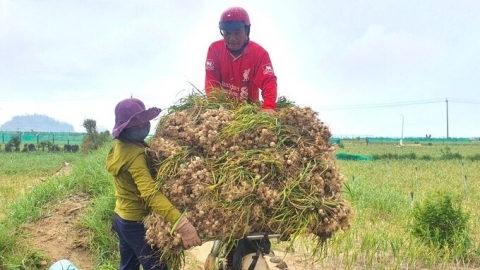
(234, 18)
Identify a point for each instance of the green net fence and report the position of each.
(347, 156)
(407, 140)
(60, 138)
(418, 140)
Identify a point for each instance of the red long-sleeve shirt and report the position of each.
(243, 76)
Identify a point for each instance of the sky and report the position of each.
(369, 68)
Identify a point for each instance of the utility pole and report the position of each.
(446, 101)
(402, 125)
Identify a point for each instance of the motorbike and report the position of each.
(247, 253)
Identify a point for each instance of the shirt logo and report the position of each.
(246, 72)
(267, 69)
(209, 64)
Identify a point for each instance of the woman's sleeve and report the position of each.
(149, 191)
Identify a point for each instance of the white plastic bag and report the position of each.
(63, 265)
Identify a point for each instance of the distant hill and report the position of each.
(36, 122)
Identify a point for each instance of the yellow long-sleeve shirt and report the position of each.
(135, 189)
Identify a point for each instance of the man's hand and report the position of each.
(188, 233)
(269, 111)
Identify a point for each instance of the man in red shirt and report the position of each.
(242, 68)
(239, 66)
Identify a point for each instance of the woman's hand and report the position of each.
(188, 233)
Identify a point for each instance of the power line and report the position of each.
(456, 100)
(396, 104)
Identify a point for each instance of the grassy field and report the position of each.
(383, 194)
(19, 172)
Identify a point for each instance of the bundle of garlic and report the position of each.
(236, 170)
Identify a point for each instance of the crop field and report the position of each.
(19, 172)
(382, 192)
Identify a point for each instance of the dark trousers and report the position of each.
(134, 251)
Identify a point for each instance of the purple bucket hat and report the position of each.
(131, 112)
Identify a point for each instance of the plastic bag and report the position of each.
(63, 265)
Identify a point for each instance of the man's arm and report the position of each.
(269, 93)
(268, 83)
(212, 71)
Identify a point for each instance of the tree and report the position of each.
(90, 125)
(93, 140)
(13, 144)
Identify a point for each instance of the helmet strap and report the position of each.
(247, 31)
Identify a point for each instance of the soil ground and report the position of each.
(57, 235)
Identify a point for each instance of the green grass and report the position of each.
(34, 164)
(435, 150)
(19, 172)
(382, 194)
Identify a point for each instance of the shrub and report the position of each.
(410, 156)
(448, 155)
(426, 157)
(29, 147)
(475, 157)
(396, 156)
(440, 222)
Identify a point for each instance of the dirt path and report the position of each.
(58, 237)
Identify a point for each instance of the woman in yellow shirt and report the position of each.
(135, 189)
